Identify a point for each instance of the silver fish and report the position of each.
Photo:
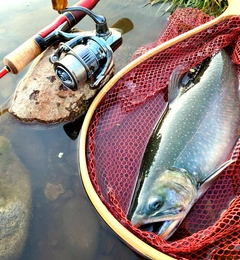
(190, 146)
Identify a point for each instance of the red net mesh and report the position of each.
(123, 122)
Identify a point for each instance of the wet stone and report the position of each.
(53, 191)
(41, 97)
(15, 202)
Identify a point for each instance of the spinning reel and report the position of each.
(87, 57)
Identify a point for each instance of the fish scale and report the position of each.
(189, 147)
(202, 144)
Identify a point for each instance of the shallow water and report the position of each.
(63, 223)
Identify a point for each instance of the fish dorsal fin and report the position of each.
(174, 90)
(207, 182)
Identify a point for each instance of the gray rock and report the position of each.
(15, 202)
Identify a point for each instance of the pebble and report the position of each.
(53, 191)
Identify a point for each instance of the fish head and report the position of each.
(163, 202)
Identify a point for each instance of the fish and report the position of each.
(189, 147)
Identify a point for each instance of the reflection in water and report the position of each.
(63, 223)
(72, 129)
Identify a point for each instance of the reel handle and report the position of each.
(22, 56)
(59, 4)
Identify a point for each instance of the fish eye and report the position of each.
(156, 203)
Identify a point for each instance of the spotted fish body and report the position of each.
(189, 147)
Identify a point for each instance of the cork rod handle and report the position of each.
(22, 56)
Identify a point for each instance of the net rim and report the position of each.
(130, 239)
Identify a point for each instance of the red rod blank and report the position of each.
(3, 72)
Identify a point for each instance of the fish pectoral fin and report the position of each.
(207, 182)
(174, 83)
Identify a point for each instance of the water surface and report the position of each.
(63, 223)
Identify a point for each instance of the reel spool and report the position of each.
(87, 56)
(89, 59)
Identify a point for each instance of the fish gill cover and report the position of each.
(121, 127)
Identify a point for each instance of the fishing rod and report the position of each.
(29, 50)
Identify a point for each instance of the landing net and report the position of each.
(123, 122)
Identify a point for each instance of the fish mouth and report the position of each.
(163, 224)
(164, 229)
(155, 227)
